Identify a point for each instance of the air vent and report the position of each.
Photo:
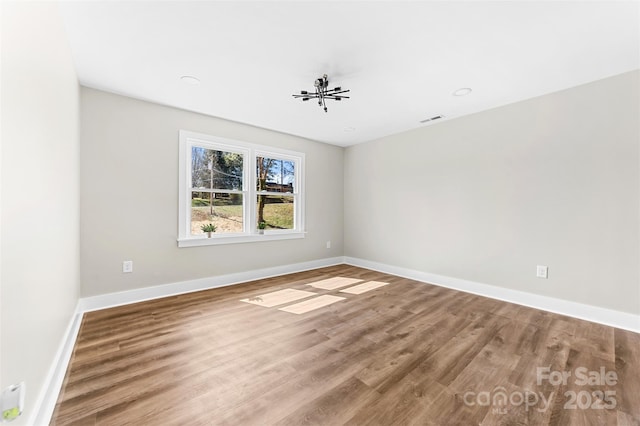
(427, 120)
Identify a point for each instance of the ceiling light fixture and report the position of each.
(190, 80)
(462, 92)
(322, 92)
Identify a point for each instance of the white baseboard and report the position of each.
(618, 319)
(48, 396)
(148, 293)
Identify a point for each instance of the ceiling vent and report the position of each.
(427, 120)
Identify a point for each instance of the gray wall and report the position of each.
(129, 197)
(39, 192)
(551, 181)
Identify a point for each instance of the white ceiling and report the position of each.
(401, 60)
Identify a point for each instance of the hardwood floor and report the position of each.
(402, 353)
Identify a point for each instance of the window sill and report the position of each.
(253, 238)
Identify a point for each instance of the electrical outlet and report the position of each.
(328, 244)
(542, 271)
(12, 402)
(127, 266)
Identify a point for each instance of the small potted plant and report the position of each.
(261, 227)
(209, 229)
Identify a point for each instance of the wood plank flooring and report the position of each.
(405, 353)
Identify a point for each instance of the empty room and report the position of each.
(320, 212)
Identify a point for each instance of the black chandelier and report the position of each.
(323, 92)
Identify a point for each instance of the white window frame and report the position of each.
(250, 151)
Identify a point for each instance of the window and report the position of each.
(235, 186)
(276, 198)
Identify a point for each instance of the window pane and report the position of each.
(275, 175)
(212, 169)
(276, 211)
(222, 209)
